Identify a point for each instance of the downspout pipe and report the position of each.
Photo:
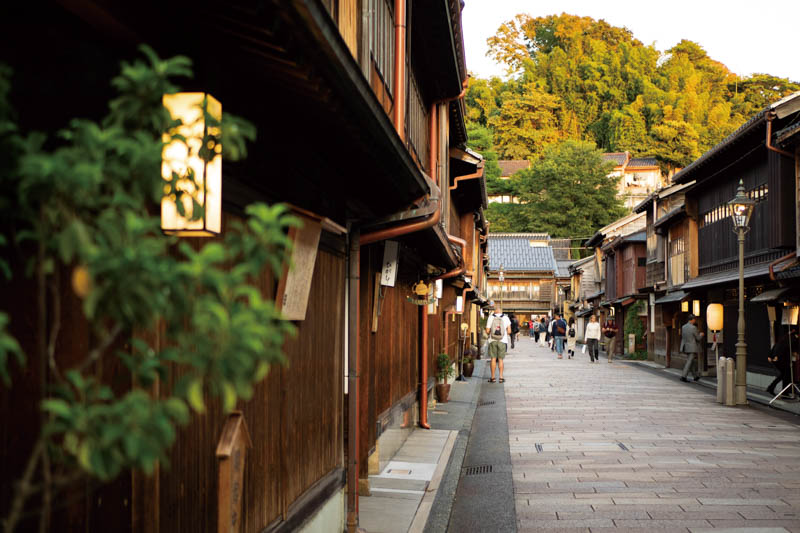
(353, 362)
(423, 391)
(770, 117)
(777, 262)
(399, 113)
(463, 266)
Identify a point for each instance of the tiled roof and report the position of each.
(563, 267)
(511, 167)
(643, 162)
(618, 158)
(514, 252)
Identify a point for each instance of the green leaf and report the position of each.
(228, 397)
(194, 395)
(57, 407)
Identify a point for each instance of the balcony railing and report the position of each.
(417, 124)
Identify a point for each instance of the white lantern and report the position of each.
(179, 157)
(714, 314)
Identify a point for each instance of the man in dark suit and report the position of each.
(690, 346)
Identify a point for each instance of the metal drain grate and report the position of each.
(481, 404)
(623, 447)
(539, 448)
(476, 470)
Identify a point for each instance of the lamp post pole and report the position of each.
(741, 344)
(741, 209)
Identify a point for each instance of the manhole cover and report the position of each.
(475, 470)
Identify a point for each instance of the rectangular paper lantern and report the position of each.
(179, 157)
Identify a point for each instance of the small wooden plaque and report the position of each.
(233, 442)
(295, 283)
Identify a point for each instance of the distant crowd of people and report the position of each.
(561, 335)
(551, 330)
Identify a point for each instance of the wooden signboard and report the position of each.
(230, 458)
(295, 283)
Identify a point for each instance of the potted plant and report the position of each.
(444, 371)
(468, 366)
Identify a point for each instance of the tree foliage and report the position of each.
(81, 202)
(567, 193)
(579, 78)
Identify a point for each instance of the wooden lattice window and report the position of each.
(381, 42)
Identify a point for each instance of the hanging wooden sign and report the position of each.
(294, 286)
(233, 442)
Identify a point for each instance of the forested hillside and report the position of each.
(578, 78)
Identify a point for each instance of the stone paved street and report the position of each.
(598, 446)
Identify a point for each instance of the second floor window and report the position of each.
(381, 39)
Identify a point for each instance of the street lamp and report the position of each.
(741, 208)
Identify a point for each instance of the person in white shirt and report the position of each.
(498, 326)
(592, 337)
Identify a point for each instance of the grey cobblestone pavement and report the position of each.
(599, 446)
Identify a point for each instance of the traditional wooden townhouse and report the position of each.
(360, 122)
(761, 158)
(608, 271)
(522, 273)
(669, 266)
(584, 285)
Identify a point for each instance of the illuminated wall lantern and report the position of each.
(178, 157)
(714, 314)
(696, 307)
(684, 307)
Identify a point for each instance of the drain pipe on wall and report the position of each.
(770, 117)
(354, 261)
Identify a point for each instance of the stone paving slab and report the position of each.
(614, 447)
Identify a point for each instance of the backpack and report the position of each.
(572, 331)
(536, 327)
(496, 330)
(561, 330)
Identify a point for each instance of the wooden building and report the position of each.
(611, 272)
(360, 121)
(670, 237)
(769, 172)
(528, 285)
(584, 285)
(637, 176)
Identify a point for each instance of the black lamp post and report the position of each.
(741, 209)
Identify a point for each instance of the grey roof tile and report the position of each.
(515, 253)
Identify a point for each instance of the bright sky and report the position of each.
(747, 36)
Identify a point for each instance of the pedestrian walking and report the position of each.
(592, 337)
(610, 332)
(535, 330)
(542, 332)
(559, 334)
(572, 337)
(514, 328)
(779, 357)
(499, 329)
(550, 340)
(690, 346)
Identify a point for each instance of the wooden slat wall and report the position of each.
(294, 420)
(780, 201)
(183, 497)
(389, 358)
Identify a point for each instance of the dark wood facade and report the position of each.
(284, 66)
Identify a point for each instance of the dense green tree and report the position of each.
(82, 202)
(508, 218)
(568, 193)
